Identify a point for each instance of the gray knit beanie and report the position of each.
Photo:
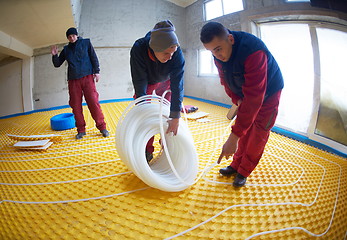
(163, 36)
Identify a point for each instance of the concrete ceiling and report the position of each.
(182, 3)
(34, 23)
(38, 23)
(2, 56)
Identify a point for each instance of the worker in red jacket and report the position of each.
(252, 79)
(83, 69)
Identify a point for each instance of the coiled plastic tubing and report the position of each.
(176, 167)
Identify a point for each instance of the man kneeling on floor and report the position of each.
(83, 69)
(253, 81)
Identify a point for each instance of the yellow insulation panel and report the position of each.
(80, 189)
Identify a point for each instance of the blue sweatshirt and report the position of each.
(146, 70)
(81, 58)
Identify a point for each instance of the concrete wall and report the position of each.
(255, 11)
(76, 6)
(113, 27)
(119, 23)
(50, 83)
(11, 88)
(201, 86)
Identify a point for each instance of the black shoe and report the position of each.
(105, 133)
(80, 135)
(227, 171)
(149, 156)
(239, 180)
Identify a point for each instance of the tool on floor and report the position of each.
(52, 137)
(34, 142)
(189, 108)
(197, 115)
(33, 145)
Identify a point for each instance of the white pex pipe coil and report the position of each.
(177, 166)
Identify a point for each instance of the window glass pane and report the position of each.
(204, 62)
(214, 68)
(231, 6)
(213, 9)
(298, 0)
(332, 116)
(290, 44)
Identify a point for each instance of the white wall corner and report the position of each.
(27, 83)
(76, 7)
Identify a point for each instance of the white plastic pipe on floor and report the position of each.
(177, 167)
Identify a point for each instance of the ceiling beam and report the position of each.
(13, 47)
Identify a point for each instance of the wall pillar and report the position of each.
(27, 83)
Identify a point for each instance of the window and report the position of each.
(206, 63)
(312, 59)
(290, 44)
(217, 8)
(332, 114)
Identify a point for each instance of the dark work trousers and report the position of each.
(251, 145)
(78, 88)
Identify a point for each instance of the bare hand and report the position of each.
(173, 126)
(54, 50)
(96, 77)
(229, 147)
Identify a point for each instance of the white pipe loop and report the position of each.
(173, 171)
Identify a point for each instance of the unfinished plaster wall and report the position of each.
(113, 27)
(11, 88)
(50, 83)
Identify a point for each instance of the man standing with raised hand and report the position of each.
(253, 81)
(83, 69)
(157, 63)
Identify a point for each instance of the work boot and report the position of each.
(227, 171)
(80, 135)
(239, 180)
(105, 133)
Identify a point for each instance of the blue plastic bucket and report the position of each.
(63, 121)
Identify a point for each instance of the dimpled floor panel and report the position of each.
(80, 189)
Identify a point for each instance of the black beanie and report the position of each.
(70, 31)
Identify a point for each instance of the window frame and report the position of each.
(311, 131)
(223, 11)
(313, 25)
